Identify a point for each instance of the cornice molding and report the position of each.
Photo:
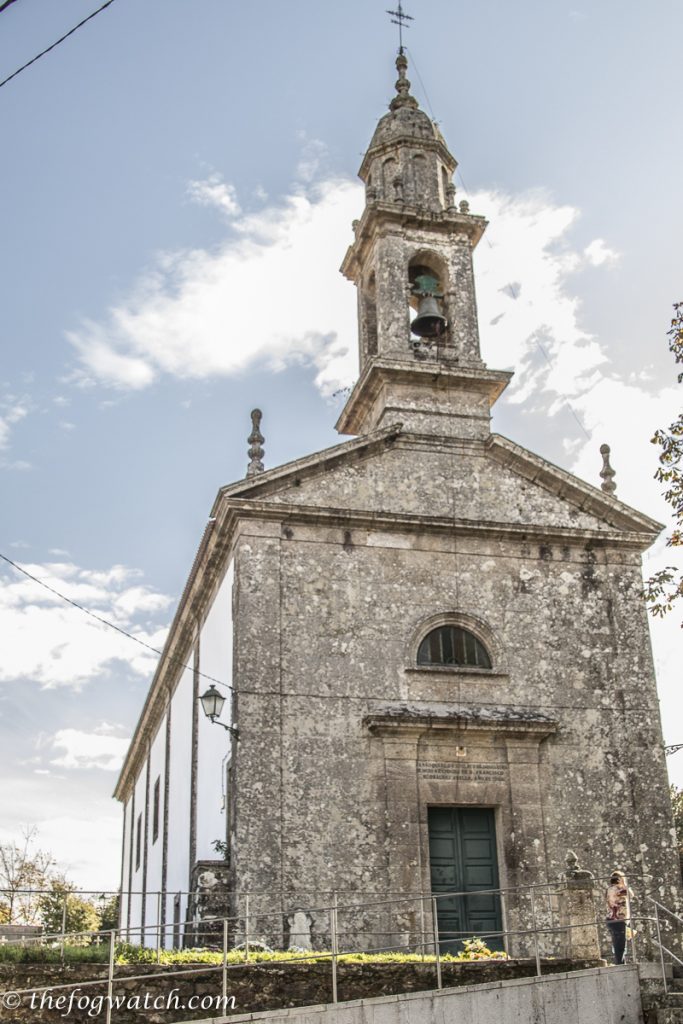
(379, 215)
(432, 376)
(406, 722)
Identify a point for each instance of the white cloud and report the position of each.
(213, 191)
(598, 253)
(84, 750)
(523, 266)
(251, 303)
(12, 411)
(49, 642)
(270, 296)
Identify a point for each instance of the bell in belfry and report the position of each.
(430, 321)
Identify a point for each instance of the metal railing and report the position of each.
(530, 930)
(663, 916)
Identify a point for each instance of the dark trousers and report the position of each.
(617, 930)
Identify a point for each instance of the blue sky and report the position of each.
(179, 182)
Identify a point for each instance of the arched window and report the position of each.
(452, 645)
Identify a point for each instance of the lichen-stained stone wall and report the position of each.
(342, 735)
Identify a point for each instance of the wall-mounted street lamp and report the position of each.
(212, 702)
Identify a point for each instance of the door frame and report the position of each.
(498, 847)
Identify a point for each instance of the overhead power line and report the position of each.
(6, 4)
(111, 625)
(52, 47)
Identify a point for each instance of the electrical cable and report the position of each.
(302, 694)
(3, 7)
(55, 44)
(111, 625)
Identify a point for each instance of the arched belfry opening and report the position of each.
(427, 277)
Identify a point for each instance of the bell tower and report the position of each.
(411, 262)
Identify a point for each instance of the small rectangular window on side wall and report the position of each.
(138, 841)
(155, 809)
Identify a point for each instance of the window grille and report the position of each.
(453, 645)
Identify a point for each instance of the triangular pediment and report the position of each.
(485, 483)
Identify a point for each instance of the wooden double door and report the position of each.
(463, 860)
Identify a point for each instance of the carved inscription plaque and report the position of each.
(457, 771)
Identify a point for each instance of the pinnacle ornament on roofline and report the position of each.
(255, 440)
(607, 473)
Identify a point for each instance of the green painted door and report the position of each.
(462, 855)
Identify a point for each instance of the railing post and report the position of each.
(225, 965)
(535, 927)
(246, 926)
(661, 948)
(110, 974)
(504, 920)
(158, 927)
(63, 924)
(634, 954)
(333, 942)
(437, 944)
(422, 926)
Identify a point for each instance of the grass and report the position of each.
(52, 954)
(127, 954)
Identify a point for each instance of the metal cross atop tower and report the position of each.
(400, 18)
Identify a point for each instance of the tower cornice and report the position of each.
(380, 215)
(438, 381)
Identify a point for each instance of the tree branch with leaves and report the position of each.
(665, 586)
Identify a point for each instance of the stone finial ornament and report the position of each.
(574, 870)
(450, 196)
(607, 473)
(404, 99)
(255, 440)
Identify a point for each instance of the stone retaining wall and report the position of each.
(253, 988)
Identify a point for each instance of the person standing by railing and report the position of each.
(617, 897)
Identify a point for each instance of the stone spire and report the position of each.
(403, 99)
(607, 473)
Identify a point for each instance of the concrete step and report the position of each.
(668, 1009)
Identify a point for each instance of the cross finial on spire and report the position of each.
(400, 18)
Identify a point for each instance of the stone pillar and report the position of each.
(210, 902)
(577, 912)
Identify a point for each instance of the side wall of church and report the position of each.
(187, 832)
(155, 835)
(137, 840)
(327, 627)
(215, 660)
(125, 863)
(179, 790)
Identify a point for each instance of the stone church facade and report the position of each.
(435, 642)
